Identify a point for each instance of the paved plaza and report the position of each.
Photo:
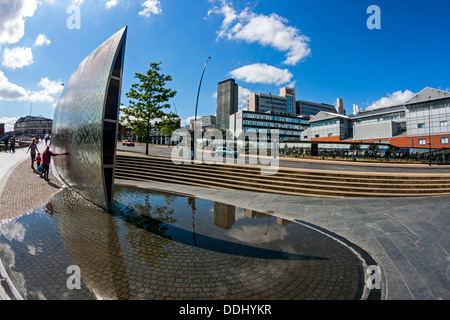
(407, 237)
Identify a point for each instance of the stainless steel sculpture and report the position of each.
(86, 120)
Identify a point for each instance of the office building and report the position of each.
(421, 122)
(327, 126)
(208, 122)
(32, 125)
(286, 104)
(288, 126)
(310, 109)
(227, 102)
(269, 103)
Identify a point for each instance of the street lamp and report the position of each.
(198, 93)
(429, 131)
(196, 106)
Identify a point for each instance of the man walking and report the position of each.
(12, 144)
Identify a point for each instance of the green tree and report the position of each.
(168, 124)
(147, 100)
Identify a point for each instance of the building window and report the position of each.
(444, 140)
(421, 125)
(422, 142)
(443, 123)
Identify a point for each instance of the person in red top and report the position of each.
(47, 158)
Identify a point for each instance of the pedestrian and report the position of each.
(46, 159)
(33, 148)
(12, 144)
(6, 144)
(40, 166)
(46, 138)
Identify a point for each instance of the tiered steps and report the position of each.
(289, 181)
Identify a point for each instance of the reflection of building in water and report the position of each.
(224, 215)
(259, 215)
(283, 222)
(255, 214)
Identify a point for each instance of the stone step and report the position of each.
(294, 171)
(205, 169)
(293, 181)
(237, 177)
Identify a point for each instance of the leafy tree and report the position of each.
(374, 148)
(147, 100)
(168, 124)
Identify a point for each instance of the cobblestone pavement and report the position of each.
(151, 248)
(407, 237)
(24, 191)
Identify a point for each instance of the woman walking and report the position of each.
(47, 158)
(33, 148)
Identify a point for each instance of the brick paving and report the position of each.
(25, 191)
(407, 237)
(126, 258)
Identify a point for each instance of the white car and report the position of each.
(226, 151)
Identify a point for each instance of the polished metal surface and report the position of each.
(85, 123)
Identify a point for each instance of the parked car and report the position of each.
(129, 143)
(224, 151)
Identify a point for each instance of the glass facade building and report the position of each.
(288, 126)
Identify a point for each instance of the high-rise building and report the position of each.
(269, 103)
(227, 102)
(308, 108)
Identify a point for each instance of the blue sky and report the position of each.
(322, 48)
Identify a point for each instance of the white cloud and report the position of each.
(150, 6)
(10, 91)
(243, 97)
(269, 30)
(17, 57)
(396, 98)
(13, 92)
(42, 40)
(46, 94)
(111, 3)
(262, 73)
(187, 121)
(12, 19)
(9, 123)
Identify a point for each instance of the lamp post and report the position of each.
(199, 86)
(429, 132)
(193, 146)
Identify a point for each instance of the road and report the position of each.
(166, 151)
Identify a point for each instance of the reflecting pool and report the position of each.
(156, 245)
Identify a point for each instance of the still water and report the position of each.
(156, 245)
